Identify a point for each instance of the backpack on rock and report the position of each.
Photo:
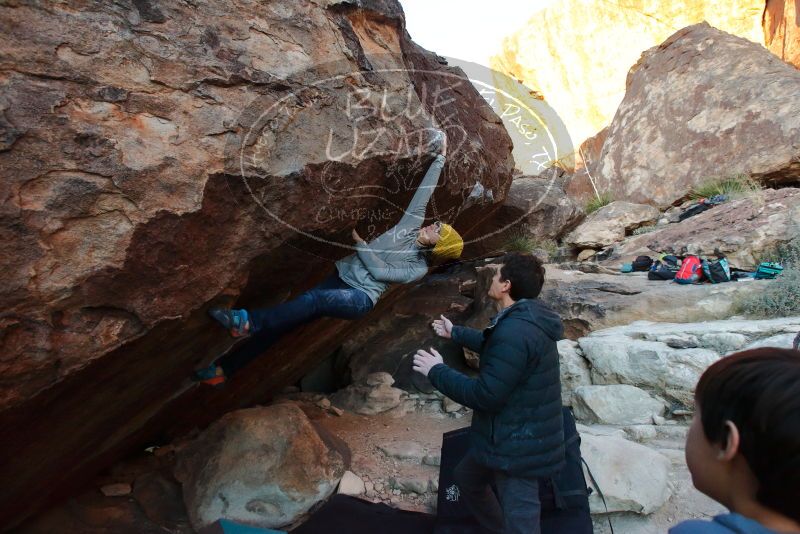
(691, 271)
(642, 263)
(717, 271)
(664, 268)
(768, 270)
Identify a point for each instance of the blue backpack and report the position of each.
(768, 270)
(717, 271)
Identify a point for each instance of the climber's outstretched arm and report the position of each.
(414, 215)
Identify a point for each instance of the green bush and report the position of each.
(784, 253)
(522, 241)
(603, 199)
(645, 229)
(736, 186)
(779, 297)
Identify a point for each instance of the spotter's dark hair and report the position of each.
(526, 274)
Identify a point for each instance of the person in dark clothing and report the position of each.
(517, 434)
(743, 446)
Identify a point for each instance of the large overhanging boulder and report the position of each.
(702, 105)
(161, 158)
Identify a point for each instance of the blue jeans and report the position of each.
(518, 509)
(330, 298)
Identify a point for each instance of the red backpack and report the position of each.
(691, 271)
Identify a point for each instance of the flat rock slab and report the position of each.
(644, 353)
(404, 450)
(619, 404)
(633, 478)
(593, 301)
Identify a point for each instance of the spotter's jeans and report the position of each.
(518, 509)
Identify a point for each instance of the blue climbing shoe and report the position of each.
(213, 375)
(235, 321)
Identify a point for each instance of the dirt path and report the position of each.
(391, 479)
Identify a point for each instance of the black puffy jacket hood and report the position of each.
(537, 313)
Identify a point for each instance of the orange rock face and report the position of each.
(577, 52)
(782, 29)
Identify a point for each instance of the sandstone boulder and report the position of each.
(163, 158)
(703, 80)
(651, 365)
(615, 405)
(633, 478)
(602, 39)
(580, 184)
(574, 370)
(539, 207)
(743, 229)
(263, 466)
(368, 400)
(610, 224)
(378, 379)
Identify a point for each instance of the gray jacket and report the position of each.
(394, 256)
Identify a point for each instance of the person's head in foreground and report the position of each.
(743, 447)
(445, 243)
(519, 276)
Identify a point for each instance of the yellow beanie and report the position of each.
(450, 243)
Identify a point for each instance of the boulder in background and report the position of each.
(703, 104)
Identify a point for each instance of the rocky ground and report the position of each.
(105, 300)
(424, 427)
(629, 386)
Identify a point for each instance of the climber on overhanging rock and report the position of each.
(400, 255)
